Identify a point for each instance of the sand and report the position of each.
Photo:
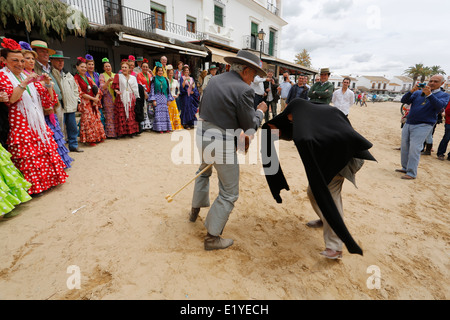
(127, 242)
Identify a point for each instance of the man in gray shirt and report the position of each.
(226, 109)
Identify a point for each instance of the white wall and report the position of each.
(237, 21)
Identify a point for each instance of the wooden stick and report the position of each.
(169, 197)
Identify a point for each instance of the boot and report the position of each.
(427, 150)
(216, 242)
(194, 214)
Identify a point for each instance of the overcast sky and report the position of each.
(368, 37)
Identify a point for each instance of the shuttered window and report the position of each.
(218, 15)
(271, 42)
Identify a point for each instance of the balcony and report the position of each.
(105, 12)
(253, 43)
(272, 8)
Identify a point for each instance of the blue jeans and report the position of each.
(72, 130)
(444, 142)
(413, 136)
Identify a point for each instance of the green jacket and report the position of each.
(321, 93)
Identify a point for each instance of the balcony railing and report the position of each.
(105, 12)
(272, 8)
(253, 43)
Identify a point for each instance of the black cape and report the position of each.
(326, 141)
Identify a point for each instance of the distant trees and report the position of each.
(420, 71)
(303, 58)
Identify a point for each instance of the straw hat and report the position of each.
(41, 44)
(325, 70)
(248, 59)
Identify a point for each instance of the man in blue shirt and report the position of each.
(299, 90)
(283, 89)
(425, 106)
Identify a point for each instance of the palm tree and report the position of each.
(415, 71)
(437, 70)
(425, 73)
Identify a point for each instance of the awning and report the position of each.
(158, 44)
(290, 65)
(217, 55)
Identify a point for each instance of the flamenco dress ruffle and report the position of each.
(59, 139)
(13, 186)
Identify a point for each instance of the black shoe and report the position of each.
(194, 214)
(76, 150)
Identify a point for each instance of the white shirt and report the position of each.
(174, 87)
(258, 85)
(343, 101)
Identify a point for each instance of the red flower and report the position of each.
(145, 61)
(81, 59)
(11, 44)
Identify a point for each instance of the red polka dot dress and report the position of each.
(38, 160)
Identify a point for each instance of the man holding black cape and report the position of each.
(331, 150)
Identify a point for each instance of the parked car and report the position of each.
(398, 98)
(383, 97)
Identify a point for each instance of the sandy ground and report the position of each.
(129, 243)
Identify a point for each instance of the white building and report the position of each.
(400, 84)
(374, 84)
(197, 32)
(336, 80)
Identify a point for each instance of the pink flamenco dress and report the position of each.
(30, 141)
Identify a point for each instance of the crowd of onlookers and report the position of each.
(46, 112)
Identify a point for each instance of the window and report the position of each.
(379, 86)
(384, 86)
(98, 53)
(253, 36)
(190, 24)
(271, 42)
(373, 85)
(218, 15)
(158, 15)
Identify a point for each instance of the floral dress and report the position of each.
(108, 104)
(91, 127)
